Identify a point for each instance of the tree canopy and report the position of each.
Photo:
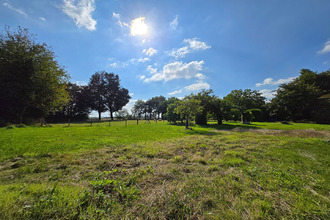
(301, 98)
(32, 83)
(106, 93)
(244, 100)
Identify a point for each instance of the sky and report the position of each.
(178, 47)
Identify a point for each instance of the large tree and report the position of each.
(158, 105)
(116, 97)
(106, 93)
(32, 83)
(97, 90)
(139, 108)
(244, 100)
(77, 107)
(187, 108)
(302, 99)
(171, 114)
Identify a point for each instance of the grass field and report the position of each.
(162, 171)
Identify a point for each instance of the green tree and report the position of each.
(158, 105)
(32, 83)
(116, 97)
(301, 98)
(77, 107)
(97, 88)
(138, 108)
(188, 107)
(210, 104)
(171, 114)
(245, 100)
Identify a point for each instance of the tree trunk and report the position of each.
(187, 122)
(100, 115)
(111, 115)
(242, 118)
(20, 116)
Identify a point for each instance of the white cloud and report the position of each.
(117, 16)
(80, 12)
(81, 83)
(139, 60)
(326, 48)
(268, 93)
(179, 53)
(20, 11)
(174, 24)
(198, 86)
(175, 92)
(131, 94)
(192, 45)
(130, 105)
(195, 44)
(177, 70)
(142, 77)
(270, 81)
(42, 18)
(149, 52)
(118, 65)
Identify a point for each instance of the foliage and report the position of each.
(244, 100)
(116, 96)
(158, 105)
(188, 107)
(171, 114)
(106, 93)
(32, 83)
(300, 99)
(97, 90)
(138, 108)
(77, 108)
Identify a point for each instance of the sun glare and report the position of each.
(138, 26)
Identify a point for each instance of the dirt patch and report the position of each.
(308, 133)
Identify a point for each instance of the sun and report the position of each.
(139, 27)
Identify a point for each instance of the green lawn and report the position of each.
(163, 171)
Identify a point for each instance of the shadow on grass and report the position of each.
(196, 130)
(229, 126)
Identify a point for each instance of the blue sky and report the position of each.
(174, 48)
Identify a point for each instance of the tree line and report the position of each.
(33, 85)
(305, 99)
(103, 93)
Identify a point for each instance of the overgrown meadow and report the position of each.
(161, 171)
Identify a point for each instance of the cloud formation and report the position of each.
(176, 70)
(270, 81)
(174, 24)
(149, 52)
(117, 17)
(175, 92)
(192, 45)
(81, 13)
(139, 60)
(193, 87)
(20, 11)
(198, 86)
(268, 93)
(326, 48)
